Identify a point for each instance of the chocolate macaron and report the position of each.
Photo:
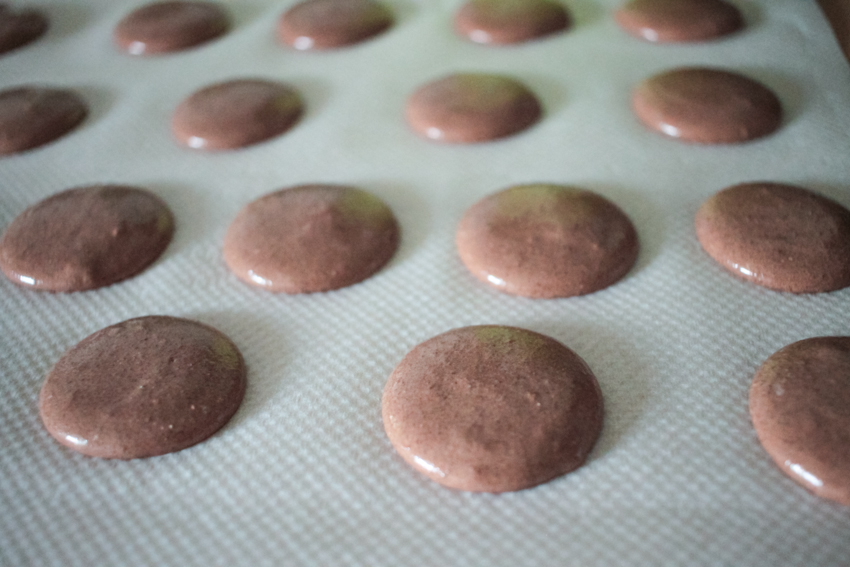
(32, 116)
(778, 236)
(235, 114)
(175, 25)
(329, 24)
(142, 388)
(471, 107)
(800, 406)
(19, 27)
(503, 22)
(492, 409)
(665, 21)
(85, 238)
(707, 106)
(311, 238)
(547, 241)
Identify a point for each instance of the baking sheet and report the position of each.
(303, 474)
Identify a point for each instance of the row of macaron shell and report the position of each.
(534, 405)
(537, 240)
(327, 24)
(164, 27)
(700, 105)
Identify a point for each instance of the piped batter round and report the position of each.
(778, 236)
(547, 241)
(32, 116)
(492, 409)
(85, 238)
(20, 27)
(164, 27)
(144, 387)
(665, 21)
(328, 24)
(707, 106)
(503, 22)
(469, 107)
(311, 238)
(800, 406)
(235, 114)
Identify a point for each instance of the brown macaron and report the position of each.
(235, 114)
(85, 238)
(165, 27)
(547, 241)
(20, 27)
(142, 388)
(329, 24)
(665, 21)
(800, 406)
(707, 106)
(311, 238)
(504, 22)
(778, 236)
(492, 409)
(471, 107)
(32, 116)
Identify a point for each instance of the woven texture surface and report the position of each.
(303, 474)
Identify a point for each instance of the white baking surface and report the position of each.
(303, 474)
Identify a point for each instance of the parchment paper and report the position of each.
(304, 475)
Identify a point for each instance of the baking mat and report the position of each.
(304, 475)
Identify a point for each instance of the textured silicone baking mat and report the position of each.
(304, 475)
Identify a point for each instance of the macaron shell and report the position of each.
(311, 238)
(778, 236)
(492, 409)
(468, 108)
(144, 387)
(664, 21)
(20, 27)
(235, 114)
(32, 116)
(504, 22)
(165, 27)
(329, 24)
(547, 241)
(85, 238)
(707, 106)
(800, 407)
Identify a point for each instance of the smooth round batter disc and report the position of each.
(467, 108)
(311, 238)
(86, 238)
(679, 20)
(327, 24)
(502, 22)
(800, 406)
(779, 236)
(144, 387)
(163, 27)
(20, 27)
(707, 106)
(492, 409)
(547, 241)
(235, 114)
(33, 116)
